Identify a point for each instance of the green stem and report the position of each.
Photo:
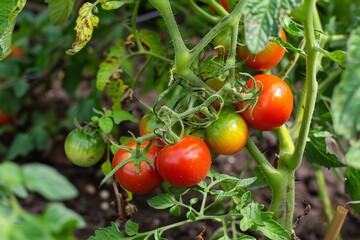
(286, 144)
(283, 198)
(199, 11)
(323, 193)
(271, 174)
(231, 20)
(133, 26)
(311, 84)
(182, 57)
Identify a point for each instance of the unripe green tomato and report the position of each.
(228, 134)
(84, 150)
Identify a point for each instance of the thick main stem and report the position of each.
(283, 196)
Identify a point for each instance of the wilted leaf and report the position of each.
(85, 24)
(109, 67)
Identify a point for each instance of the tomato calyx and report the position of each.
(251, 102)
(137, 156)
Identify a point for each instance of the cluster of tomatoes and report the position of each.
(187, 161)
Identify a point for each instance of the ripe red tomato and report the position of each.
(186, 163)
(82, 149)
(5, 119)
(274, 106)
(228, 134)
(266, 59)
(147, 180)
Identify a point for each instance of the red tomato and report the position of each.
(147, 180)
(5, 119)
(228, 134)
(185, 163)
(274, 106)
(266, 59)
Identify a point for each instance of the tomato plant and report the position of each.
(144, 181)
(228, 134)
(185, 163)
(274, 105)
(224, 3)
(266, 59)
(84, 149)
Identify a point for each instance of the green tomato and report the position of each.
(84, 150)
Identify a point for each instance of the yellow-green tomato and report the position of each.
(228, 134)
(82, 149)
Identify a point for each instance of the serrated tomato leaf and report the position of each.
(60, 10)
(263, 21)
(109, 233)
(162, 201)
(9, 9)
(131, 228)
(352, 156)
(346, 98)
(352, 185)
(317, 152)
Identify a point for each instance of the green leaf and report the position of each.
(21, 146)
(48, 182)
(273, 230)
(352, 156)
(131, 228)
(190, 215)
(9, 9)
(61, 220)
(292, 27)
(109, 68)
(85, 23)
(111, 5)
(316, 151)
(247, 237)
(106, 124)
(39, 137)
(338, 56)
(352, 185)
(175, 211)
(109, 233)
(262, 21)
(346, 98)
(106, 167)
(11, 177)
(151, 40)
(60, 10)
(121, 115)
(21, 88)
(162, 201)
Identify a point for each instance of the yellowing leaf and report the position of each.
(85, 24)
